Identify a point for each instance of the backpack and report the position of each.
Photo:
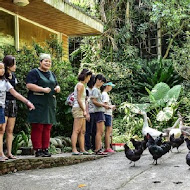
(70, 99)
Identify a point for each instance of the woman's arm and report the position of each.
(80, 90)
(21, 98)
(36, 88)
(96, 103)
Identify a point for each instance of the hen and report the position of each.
(132, 155)
(155, 150)
(176, 142)
(188, 158)
(187, 143)
(158, 140)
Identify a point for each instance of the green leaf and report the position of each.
(159, 91)
(173, 94)
(165, 115)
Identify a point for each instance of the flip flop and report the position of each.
(76, 153)
(11, 157)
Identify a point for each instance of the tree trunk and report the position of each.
(127, 19)
(172, 39)
(159, 40)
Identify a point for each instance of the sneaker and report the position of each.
(99, 152)
(46, 153)
(39, 153)
(109, 150)
(90, 151)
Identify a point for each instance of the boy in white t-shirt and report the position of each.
(107, 87)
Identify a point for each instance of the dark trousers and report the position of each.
(40, 135)
(90, 133)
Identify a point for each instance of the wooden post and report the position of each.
(17, 32)
(60, 37)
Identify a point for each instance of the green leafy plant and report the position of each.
(20, 140)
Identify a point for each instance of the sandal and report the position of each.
(76, 153)
(99, 152)
(2, 159)
(85, 153)
(11, 157)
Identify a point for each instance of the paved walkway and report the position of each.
(109, 173)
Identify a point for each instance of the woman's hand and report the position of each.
(106, 106)
(46, 90)
(88, 117)
(57, 89)
(30, 105)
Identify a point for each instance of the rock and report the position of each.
(54, 142)
(58, 150)
(59, 142)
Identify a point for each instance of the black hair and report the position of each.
(8, 61)
(103, 87)
(84, 73)
(91, 82)
(100, 77)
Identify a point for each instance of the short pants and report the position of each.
(2, 115)
(77, 112)
(108, 121)
(10, 108)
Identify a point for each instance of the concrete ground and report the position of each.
(108, 173)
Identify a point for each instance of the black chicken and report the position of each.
(135, 143)
(188, 158)
(139, 144)
(187, 143)
(155, 150)
(158, 140)
(144, 142)
(132, 155)
(176, 142)
(166, 146)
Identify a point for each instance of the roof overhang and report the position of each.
(58, 16)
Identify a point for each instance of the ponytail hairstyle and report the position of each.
(91, 82)
(83, 74)
(103, 87)
(8, 61)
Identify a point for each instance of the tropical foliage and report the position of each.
(28, 58)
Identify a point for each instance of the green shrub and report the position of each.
(27, 59)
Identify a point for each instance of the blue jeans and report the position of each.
(90, 133)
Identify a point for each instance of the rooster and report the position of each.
(133, 155)
(176, 142)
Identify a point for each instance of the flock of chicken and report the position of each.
(153, 140)
(157, 147)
